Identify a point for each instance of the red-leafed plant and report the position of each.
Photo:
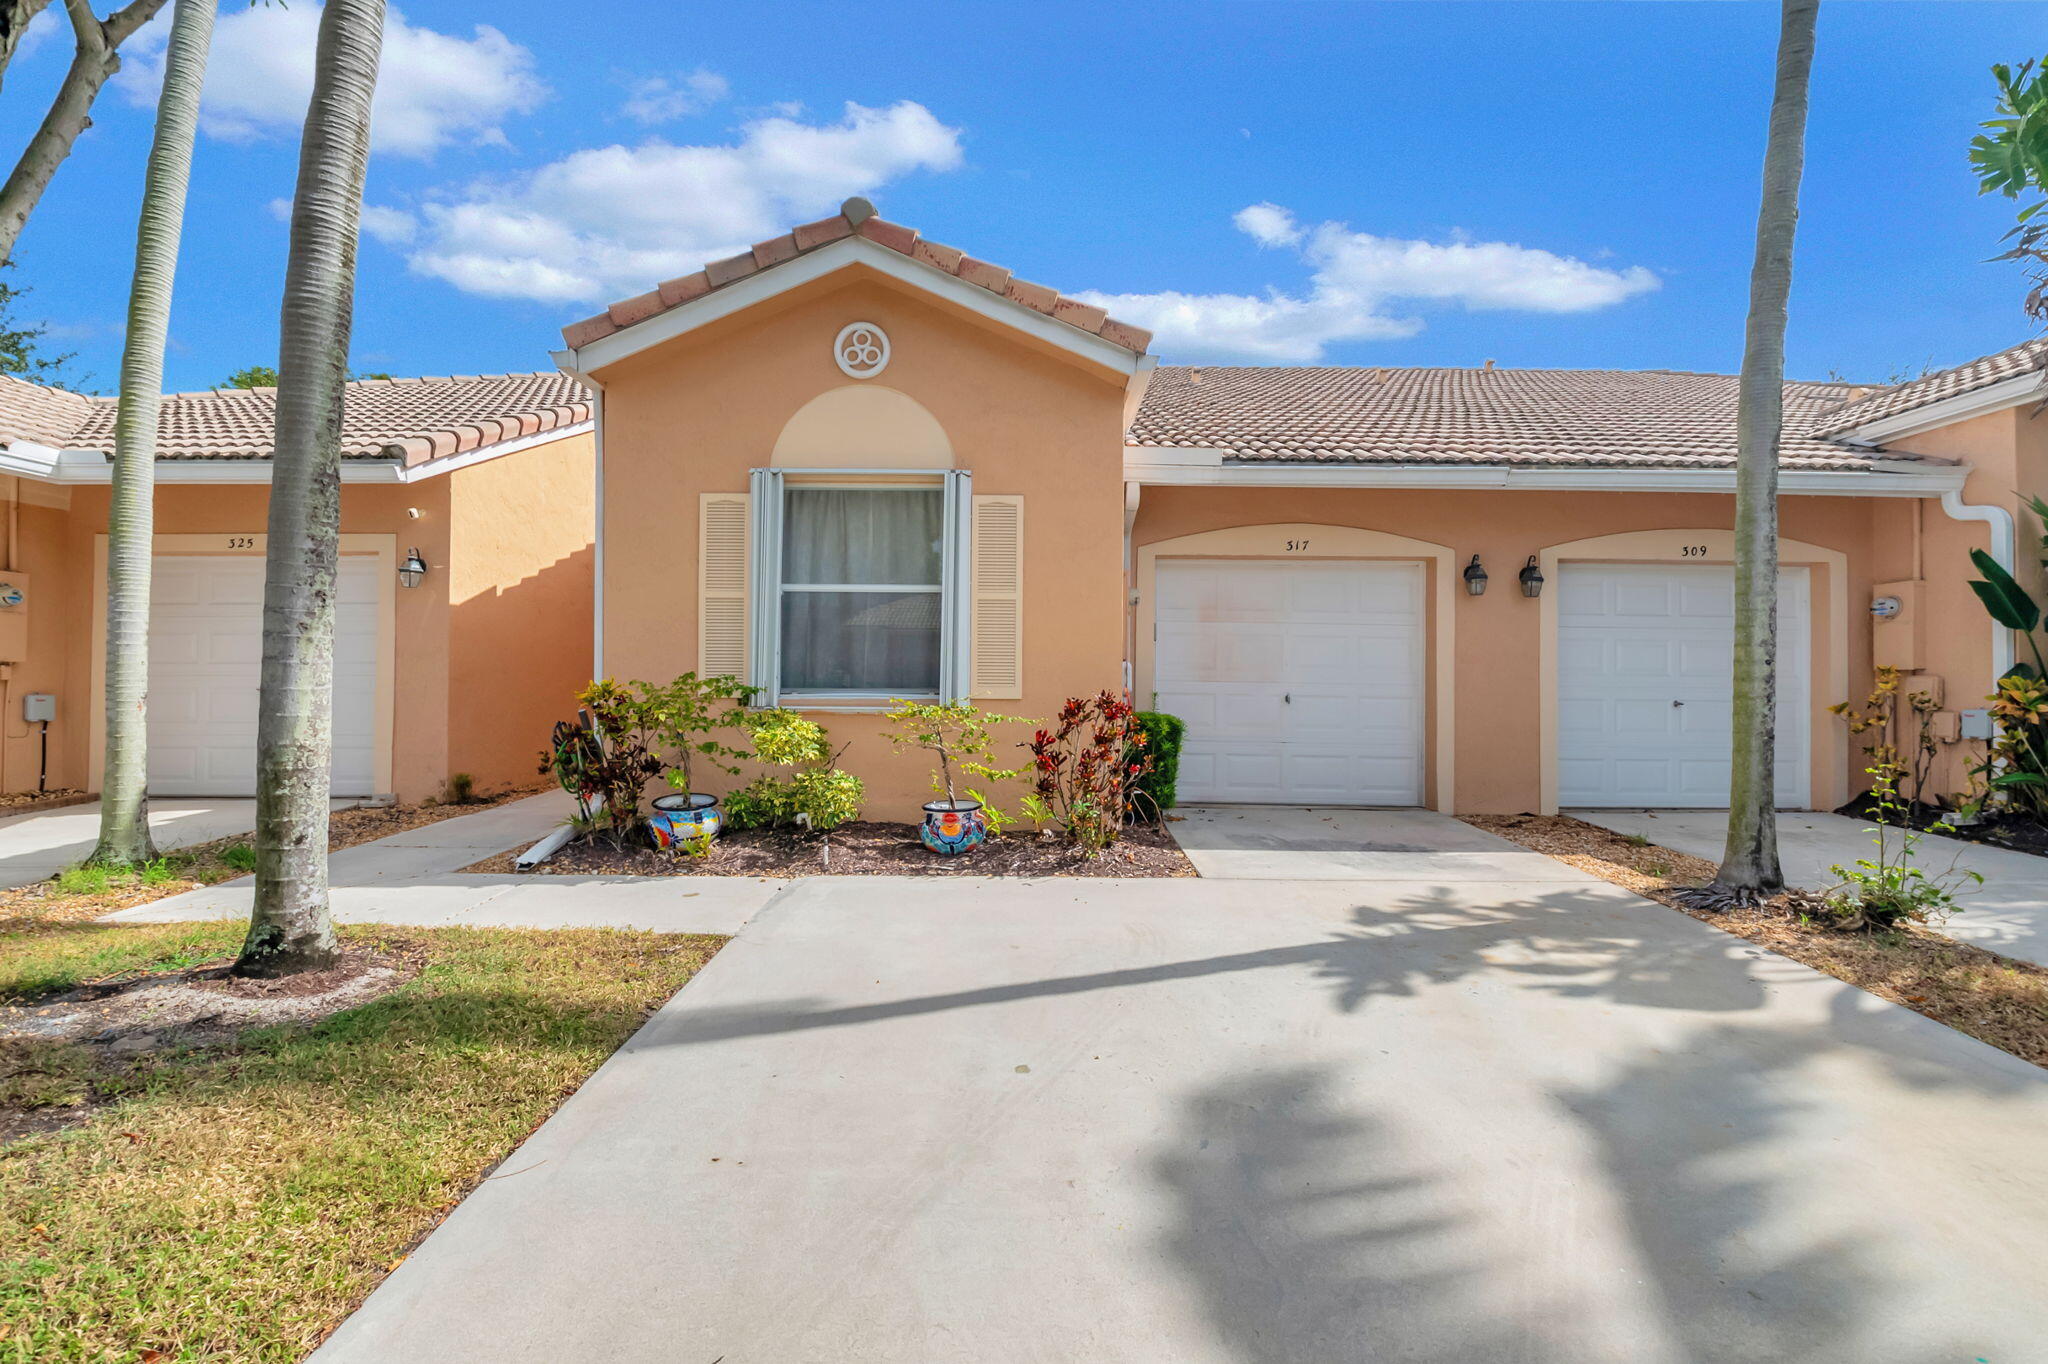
(1087, 769)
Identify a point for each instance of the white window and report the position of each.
(858, 587)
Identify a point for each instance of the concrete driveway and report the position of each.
(2008, 913)
(1204, 1121)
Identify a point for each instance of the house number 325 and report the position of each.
(1296, 546)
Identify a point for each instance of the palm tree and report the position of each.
(290, 929)
(124, 804)
(1749, 865)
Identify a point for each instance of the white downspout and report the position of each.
(2002, 541)
(1132, 492)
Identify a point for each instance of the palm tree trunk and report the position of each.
(124, 802)
(290, 929)
(1749, 864)
(96, 58)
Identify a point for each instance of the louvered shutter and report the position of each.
(722, 535)
(997, 658)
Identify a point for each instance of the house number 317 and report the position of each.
(1296, 546)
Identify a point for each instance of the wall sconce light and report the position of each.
(1475, 577)
(1532, 578)
(413, 569)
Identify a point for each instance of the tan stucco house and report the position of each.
(852, 464)
(487, 478)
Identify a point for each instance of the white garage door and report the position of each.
(205, 657)
(1645, 661)
(1300, 681)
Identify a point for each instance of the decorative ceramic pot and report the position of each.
(952, 827)
(682, 820)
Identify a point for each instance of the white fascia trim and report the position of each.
(778, 279)
(93, 466)
(1896, 478)
(2003, 394)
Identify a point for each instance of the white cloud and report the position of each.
(609, 222)
(433, 89)
(659, 99)
(392, 226)
(1356, 278)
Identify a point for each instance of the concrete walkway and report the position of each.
(415, 878)
(35, 847)
(2008, 913)
(1451, 1121)
(1291, 843)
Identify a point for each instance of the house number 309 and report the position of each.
(1296, 546)
(1693, 551)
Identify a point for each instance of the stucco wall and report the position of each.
(519, 615)
(1497, 636)
(695, 414)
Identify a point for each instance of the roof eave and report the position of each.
(812, 265)
(1948, 411)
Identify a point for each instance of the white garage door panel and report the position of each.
(1300, 681)
(1645, 667)
(205, 663)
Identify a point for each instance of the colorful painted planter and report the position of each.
(683, 821)
(952, 827)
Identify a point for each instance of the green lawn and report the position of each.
(236, 1203)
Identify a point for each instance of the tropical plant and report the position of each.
(290, 927)
(124, 802)
(956, 733)
(1890, 890)
(2007, 603)
(96, 57)
(605, 759)
(684, 716)
(1163, 737)
(817, 796)
(1749, 869)
(2012, 159)
(1086, 769)
(2015, 766)
(252, 376)
(1879, 723)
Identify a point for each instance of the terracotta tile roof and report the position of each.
(44, 416)
(408, 419)
(2028, 357)
(1473, 416)
(856, 217)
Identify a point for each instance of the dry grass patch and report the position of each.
(1991, 998)
(235, 1202)
(80, 893)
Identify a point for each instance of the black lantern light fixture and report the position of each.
(1475, 577)
(1532, 578)
(413, 569)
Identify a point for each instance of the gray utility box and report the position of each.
(38, 706)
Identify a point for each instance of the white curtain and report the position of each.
(861, 574)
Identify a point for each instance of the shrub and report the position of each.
(1163, 735)
(1894, 763)
(816, 796)
(683, 717)
(461, 789)
(955, 733)
(1889, 891)
(604, 759)
(1087, 768)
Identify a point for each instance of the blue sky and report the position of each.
(1539, 184)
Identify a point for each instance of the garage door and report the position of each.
(1301, 682)
(1645, 657)
(205, 655)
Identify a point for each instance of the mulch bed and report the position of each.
(869, 848)
(1999, 829)
(1994, 999)
(29, 802)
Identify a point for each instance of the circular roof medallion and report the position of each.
(862, 350)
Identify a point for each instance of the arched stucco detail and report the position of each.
(1329, 542)
(863, 426)
(1828, 764)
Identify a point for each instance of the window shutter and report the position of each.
(998, 629)
(722, 535)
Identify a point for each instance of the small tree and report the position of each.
(955, 733)
(683, 716)
(252, 376)
(2012, 160)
